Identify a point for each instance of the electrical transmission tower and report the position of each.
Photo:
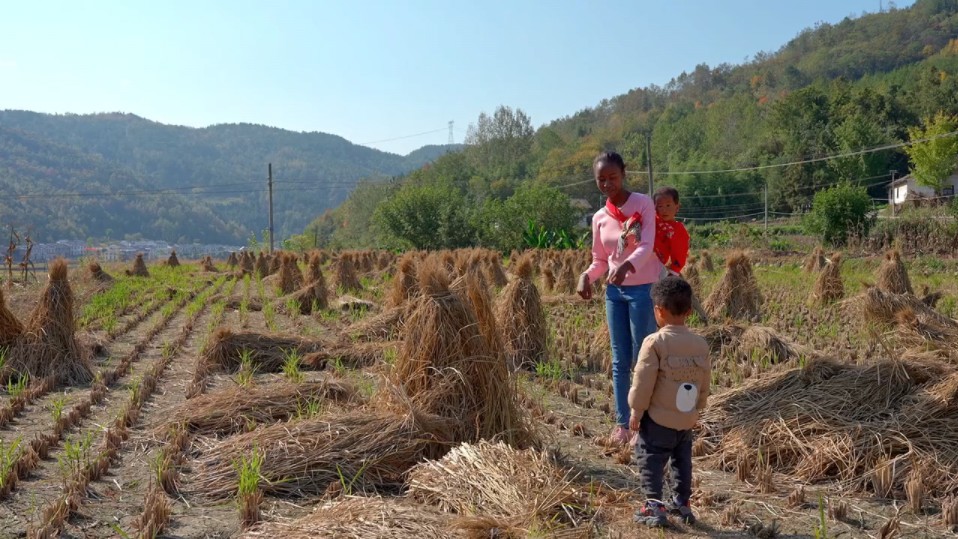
(451, 139)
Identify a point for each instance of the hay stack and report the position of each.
(139, 267)
(372, 447)
(737, 295)
(829, 286)
(173, 261)
(363, 518)
(600, 350)
(10, 327)
(507, 491)
(230, 410)
(851, 424)
(276, 261)
(404, 285)
(692, 276)
(247, 264)
(876, 305)
(815, 261)
(232, 261)
(892, 276)
(287, 274)
(522, 319)
(97, 273)
(548, 278)
(493, 268)
(262, 266)
(567, 279)
(472, 288)
(382, 326)
(314, 270)
(346, 278)
(268, 352)
(48, 345)
(447, 368)
(207, 264)
(311, 298)
(705, 262)
(760, 341)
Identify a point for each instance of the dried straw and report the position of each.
(493, 269)
(705, 263)
(516, 491)
(892, 276)
(232, 409)
(737, 295)
(139, 267)
(173, 261)
(232, 261)
(370, 449)
(522, 319)
(346, 277)
(48, 345)
(829, 286)
(262, 266)
(815, 261)
(207, 264)
(267, 352)
(289, 281)
(404, 285)
(10, 327)
(97, 273)
(363, 518)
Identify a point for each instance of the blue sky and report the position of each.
(373, 70)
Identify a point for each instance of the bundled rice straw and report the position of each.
(892, 276)
(854, 424)
(472, 288)
(877, 305)
(262, 266)
(446, 367)
(829, 286)
(815, 261)
(381, 326)
(737, 295)
(567, 279)
(314, 270)
(10, 327)
(207, 264)
(232, 261)
(404, 285)
(231, 409)
(600, 349)
(313, 297)
(139, 267)
(511, 491)
(721, 337)
(97, 273)
(275, 262)
(364, 518)
(346, 277)
(692, 276)
(173, 261)
(764, 342)
(357, 355)
(705, 263)
(287, 274)
(267, 352)
(48, 345)
(374, 448)
(522, 319)
(493, 269)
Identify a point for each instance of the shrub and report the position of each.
(840, 211)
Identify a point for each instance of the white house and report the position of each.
(906, 188)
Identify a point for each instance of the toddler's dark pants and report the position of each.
(656, 446)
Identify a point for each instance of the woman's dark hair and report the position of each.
(609, 157)
(671, 192)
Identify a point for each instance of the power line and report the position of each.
(404, 137)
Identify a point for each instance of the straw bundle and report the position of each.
(139, 267)
(262, 266)
(705, 262)
(232, 261)
(472, 289)
(275, 262)
(693, 276)
(521, 317)
(447, 367)
(877, 305)
(350, 355)
(721, 337)
(815, 261)
(737, 295)
(267, 352)
(829, 286)
(207, 264)
(230, 410)
(363, 518)
(511, 491)
(312, 297)
(548, 278)
(370, 448)
(97, 273)
(860, 425)
(382, 326)
(892, 276)
(600, 349)
(48, 345)
(314, 270)
(493, 269)
(764, 342)
(173, 261)
(10, 327)
(567, 279)
(287, 274)
(346, 278)
(404, 284)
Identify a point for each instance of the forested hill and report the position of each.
(720, 134)
(219, 170)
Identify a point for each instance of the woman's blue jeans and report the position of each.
(631, 319)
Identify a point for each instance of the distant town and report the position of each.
(119, 250)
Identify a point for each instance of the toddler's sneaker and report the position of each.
(620, 436)
(652, 515)
(684, 512)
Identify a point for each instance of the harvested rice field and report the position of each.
(461, 394)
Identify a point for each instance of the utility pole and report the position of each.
(270, 184)
(648, 160)
(765, 193)
(891, 192)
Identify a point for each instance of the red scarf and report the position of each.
(630, 225)
(614, 211)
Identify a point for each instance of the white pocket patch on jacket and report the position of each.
(686, 397)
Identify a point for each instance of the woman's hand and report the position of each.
(620, 272)
(584, 287)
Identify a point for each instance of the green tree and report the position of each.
(502, 142)
(426, 217)
(934, 160)
(839, 212)
(500, 224)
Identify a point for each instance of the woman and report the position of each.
(623, 234)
